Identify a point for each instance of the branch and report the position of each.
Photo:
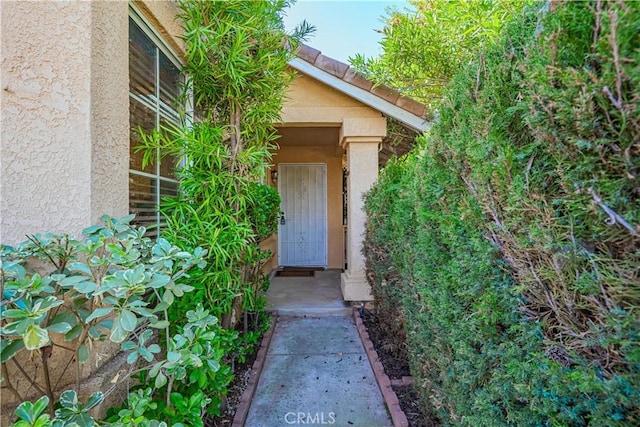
(64, 371)
(616, 102)
(613, 216)
(8, 385)
(613, 18)
(116, 383)
(12, 300)
(596, 31)
(28, 378)
(35, 241)
(45, 353)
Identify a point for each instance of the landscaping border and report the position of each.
(245, 401)
(390, 398)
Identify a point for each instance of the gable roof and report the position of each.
(345, 79)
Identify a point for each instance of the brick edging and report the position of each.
(397, 414)
(245, 401)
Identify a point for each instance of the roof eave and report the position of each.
(385, 107)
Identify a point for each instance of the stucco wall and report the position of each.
(109, 115)
(46, 82)
(333, 159)
(64, 121)
(65, 111)
(314, 103)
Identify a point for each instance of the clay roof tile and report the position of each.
(331, 66)
(350, 76)
(308, 53)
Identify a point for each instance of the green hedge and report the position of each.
(508, 239)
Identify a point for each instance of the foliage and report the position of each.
(211, 209)
(73, 412)
(138, 403)
(191, 380)
(509, 237)
(439, 37)
(194, 360)
(237, 56)
(70, 413)
(237, 64)
(263, 210)
(115, 284)
(32, 414)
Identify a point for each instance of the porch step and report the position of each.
(316, 296)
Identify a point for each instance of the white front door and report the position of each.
(302, 234)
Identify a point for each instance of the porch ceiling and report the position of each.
(307, 136)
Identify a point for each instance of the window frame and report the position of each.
(162, 111)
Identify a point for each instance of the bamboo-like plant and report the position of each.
(237, 55)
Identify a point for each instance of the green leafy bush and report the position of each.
(116, 285)
(263, 210)
(191, 381)
(509, 237)
(237, 71)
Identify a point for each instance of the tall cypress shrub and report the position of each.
(516, 265)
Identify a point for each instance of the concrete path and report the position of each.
(316, 372)
(308, 296)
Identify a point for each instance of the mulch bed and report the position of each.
(396, 366)
(234, 393)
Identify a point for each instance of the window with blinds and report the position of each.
(154, 86)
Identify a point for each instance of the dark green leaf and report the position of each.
(10, 348)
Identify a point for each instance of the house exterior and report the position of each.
(333, 126)
(80, 78)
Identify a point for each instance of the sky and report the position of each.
(343, 27)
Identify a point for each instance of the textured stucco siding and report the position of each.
(46, 175)
(109, 109)
(310, 102)
(64, 132)
(64, 121)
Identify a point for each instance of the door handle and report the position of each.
(283, 220)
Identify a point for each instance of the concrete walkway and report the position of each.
(305, 296)
(316, 371)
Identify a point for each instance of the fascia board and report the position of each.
(415, 122)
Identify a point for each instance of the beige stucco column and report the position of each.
(361, 139)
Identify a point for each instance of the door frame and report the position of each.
(325, 208)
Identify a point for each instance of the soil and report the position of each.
(395, 365)
(235, 391)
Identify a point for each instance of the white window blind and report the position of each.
(154, 85)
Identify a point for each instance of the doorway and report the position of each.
(302, 232)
